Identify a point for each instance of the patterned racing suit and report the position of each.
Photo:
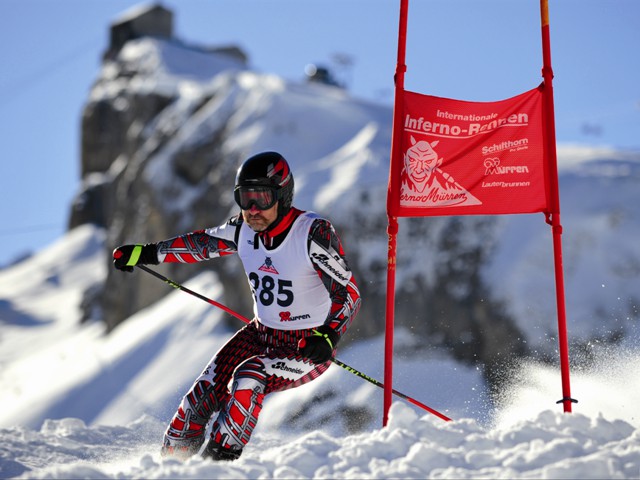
(300, 280)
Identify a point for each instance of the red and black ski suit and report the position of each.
(300, 279)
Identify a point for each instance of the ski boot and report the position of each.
(219, 452)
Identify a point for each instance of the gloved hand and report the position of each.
(318, 347)
(125, 257)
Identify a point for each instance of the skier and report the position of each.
(304, 294)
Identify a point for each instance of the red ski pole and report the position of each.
(195, 294)
(334, 360)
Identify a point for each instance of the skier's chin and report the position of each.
(257, 225)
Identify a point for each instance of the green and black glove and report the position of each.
(125, 257)
(319, 346)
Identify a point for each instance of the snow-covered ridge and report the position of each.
(338, 148)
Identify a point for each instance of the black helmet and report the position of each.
(270, 170)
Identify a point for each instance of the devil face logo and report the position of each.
(420, 161)
(425, 184)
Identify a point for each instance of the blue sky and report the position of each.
(478, 50)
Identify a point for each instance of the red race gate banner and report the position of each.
(451, 157)
(471, 158)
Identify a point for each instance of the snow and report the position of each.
(78, 403)
(81, 404)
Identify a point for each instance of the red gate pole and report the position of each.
(553, 218)
(393, 201)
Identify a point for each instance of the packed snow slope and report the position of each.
(80, 404)
(550, 445)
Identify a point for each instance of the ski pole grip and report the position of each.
(135, 256)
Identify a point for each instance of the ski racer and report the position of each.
(305, 298)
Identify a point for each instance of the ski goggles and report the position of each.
(262, 197)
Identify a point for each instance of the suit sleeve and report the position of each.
(201, 245)
(328, 259)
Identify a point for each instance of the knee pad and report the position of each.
(202, 400)
(189, 423)
(234, 426)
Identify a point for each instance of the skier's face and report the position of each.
(259, 220)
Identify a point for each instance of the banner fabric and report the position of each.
(471, 158)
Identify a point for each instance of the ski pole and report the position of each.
(393, 390)
(334, 360)
(191, 292)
